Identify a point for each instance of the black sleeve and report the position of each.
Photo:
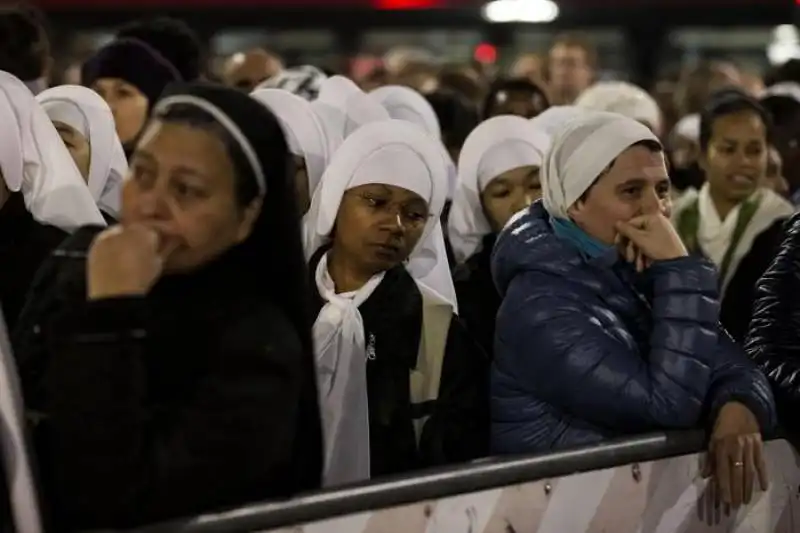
(458, 429)
(115, 463)
(737, 306)
(774, 338)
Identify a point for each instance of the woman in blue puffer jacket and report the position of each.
(608, 327)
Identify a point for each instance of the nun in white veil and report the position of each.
(498, 175)
(42, 194)
(86, 125)
(623, 98)
(305, 137)
(402, 385)
(342, 108)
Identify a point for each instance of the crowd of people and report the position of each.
(226, 291)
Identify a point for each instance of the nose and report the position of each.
(652, 203)
(393, 223)
(153, 204)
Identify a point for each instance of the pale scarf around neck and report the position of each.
(496, 146)
(581, 152)
(623, 98)
(85, 111)
(304, 132)
(35, 162)
(392, 153)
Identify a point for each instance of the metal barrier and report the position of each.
(437, 484)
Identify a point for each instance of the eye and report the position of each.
(374, 202)
(141, 174)
(631, 191)
(185, 190)
(663, 189)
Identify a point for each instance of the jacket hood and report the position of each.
(528, 243)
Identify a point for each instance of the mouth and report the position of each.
(386, 251)
(742, 180)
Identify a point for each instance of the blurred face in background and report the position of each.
(774, 178)
(569, 72)
(735, 160)
(523, 104)
(529, 67)
(246, 70)
(128, 105)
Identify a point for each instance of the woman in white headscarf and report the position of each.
(498, 176)
(623, 98)
(342, 108)
(553, 119)
(683, 145)
(305, 137)
(402, 385)
(608, 327)
(42, 194)
(86, 125)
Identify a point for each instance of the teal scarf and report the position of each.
(585, 243)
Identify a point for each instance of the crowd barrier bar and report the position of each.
(433, 484)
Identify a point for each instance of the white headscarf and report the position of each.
(496, 146)
(304, 133)
(581, 152)
(404, 103)
(35, 162)
(407, 104)
(688, 127)
(343, 108)
(553, 119)
(87, 112)
(394, 153)
(623, 98)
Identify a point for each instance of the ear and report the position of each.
(248, 221)
(576, 210)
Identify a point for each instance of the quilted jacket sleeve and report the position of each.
(563, 355)
(774, 338)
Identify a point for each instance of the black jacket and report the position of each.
(737, 305)
(194, 398)
(24, 245)
(478, 299)
(774, 337)
(458, 427)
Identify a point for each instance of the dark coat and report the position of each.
(194, 398)
(478, 299)
(587, 349)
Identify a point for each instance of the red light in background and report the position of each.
(405, 4)
(487, 53)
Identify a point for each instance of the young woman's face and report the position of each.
(378, 226)
(127, 103)
(636, 184)
(509, 193)
(77, 145)
(736, 158)
(182, 184)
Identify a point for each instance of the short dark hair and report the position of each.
(173, 39)
(457, 117)
(24, 46)
(516, 85)
(728, 102)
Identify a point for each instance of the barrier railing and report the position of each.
(438, 484)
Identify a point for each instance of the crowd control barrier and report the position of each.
(647, 484)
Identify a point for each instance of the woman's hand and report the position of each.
(653, 236)
(124, 261)
(736, 456)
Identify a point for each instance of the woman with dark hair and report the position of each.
(515, 97)
(131, 71)
(169, 357)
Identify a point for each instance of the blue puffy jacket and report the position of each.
(587, 350)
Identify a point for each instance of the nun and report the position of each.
(342, 108)
(402, 384)
(623, 98)
(42, 195)
(85, 123)
(608, 327)
(168, 359)
(498, 175)
(553, 119)
(734, 220)
(305, 137)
